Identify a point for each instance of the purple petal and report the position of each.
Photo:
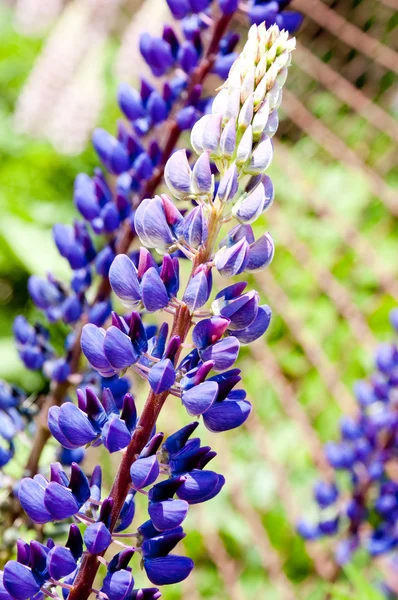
(168, 514)
(226, 415)
(177, 174)
(250, 207)
(261, 158)
(115, 434)
(60, 562)
(154, 293)
(75, 425)
(97, 538)
(208, 331)
(168, 569)
(261, 253)
(200, 398)
(197, 292)
(118, 585)
(4, 595)
(202, 180)
(151, 225)
(198, 485)
(224, 353)
(60, 502)
(124, 281)
(144, 471)
(19, 581)
(53, 424)
(92, 343)
(257, 328)
(229, 184)
(162, 376)
(31, 496)
(232, 261)
(118, 349)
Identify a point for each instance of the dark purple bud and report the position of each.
(166, 489)
(162, 543)
(325, 493)
(200, 398)
(168, 569)
(162, 376)
(130, 102)
(75, 542)
(129, 412)
(226, 415)
(170, 275)
(112, 153)
(168, 514)
(157, 108)
(175, 442)
(329, 526)
(157, 53)
(187, 57)
(97, 538)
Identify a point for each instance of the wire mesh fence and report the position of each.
(331, 284)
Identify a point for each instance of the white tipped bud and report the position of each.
(281, 79)
(244, 150)
(246, 113)
(220, 102)
(247, 85)
(273, 95)
(260, 119)
(232, 109)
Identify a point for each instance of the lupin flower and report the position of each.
(225, 181)
(366, 451)
(11, 421)
(94, 421)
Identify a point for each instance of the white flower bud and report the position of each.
(244, 150)
(246, 113)
(220, 102)
(260, 119)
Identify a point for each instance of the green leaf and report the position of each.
(361, 584)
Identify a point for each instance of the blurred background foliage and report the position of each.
(331, 285)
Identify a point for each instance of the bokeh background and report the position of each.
(331, 284)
